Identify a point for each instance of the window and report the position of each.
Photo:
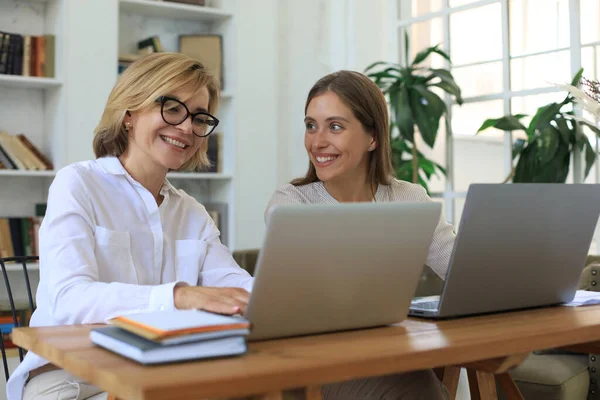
(506, 55)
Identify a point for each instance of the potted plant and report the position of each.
(412, 101)
(553, 134)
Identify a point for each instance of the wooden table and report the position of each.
(485, 344)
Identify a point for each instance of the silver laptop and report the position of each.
(518, 246)
(327, 268)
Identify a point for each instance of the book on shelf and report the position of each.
(149, 45)
(27, 55)
(214, 151)
(18, 152)
(19, 236)
(208, 49)
(218, 212)
(144, 351)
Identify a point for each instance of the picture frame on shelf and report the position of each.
(206, 48)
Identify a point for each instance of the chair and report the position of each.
(23, 261)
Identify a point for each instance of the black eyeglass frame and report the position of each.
(163, 99)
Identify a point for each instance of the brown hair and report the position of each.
(137, 89)
(368, 105)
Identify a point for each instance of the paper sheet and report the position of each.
(584, 298)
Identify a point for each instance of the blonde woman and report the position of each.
(117, 237)
(348, 145)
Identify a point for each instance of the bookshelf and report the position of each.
(33, 105)
(58, 115)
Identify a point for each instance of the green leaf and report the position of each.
(592, 127)
(423, 54)
(375, 64)
(511, 123)
(448, 81)
(399, 145)
(403, 113)
(590, 157)
(525, 169)
(548, 142)
(450, 89)
(530, 169)
(427, 108)
(564, 129)
(387, 73)
(441, 169)
(423, 183)
(580, 140)
(542, 118)
(507, 123)
(562, 163)
(403, 169)
(578, 75)
(443, 54)
(427, 166)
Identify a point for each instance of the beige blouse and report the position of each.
(443, 238)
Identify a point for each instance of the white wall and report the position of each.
(317, 37)
(302, 59)
(256, 117)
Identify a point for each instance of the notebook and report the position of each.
(167, 325)
(145, 351)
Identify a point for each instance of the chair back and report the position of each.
(14, 265)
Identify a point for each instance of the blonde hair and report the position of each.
(138, 88)
(368, 105)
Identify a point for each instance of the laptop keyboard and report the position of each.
(427, 305)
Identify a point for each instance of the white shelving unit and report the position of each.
(140, 19)
(27, 82)
(34, 106)
(59, 114)
(164, 10)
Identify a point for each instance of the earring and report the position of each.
(127, 126)
(371, 147)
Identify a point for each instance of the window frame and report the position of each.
(403, 7)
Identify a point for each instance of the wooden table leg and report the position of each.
(482, 385)
(449, 377)
(313, 393)
(509, 387)
(482, 377)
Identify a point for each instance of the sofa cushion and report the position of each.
(553, 376)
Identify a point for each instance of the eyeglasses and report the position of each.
(174, 112)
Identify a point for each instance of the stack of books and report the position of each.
(17, 152)
(171, 336)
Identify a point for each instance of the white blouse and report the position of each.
(107, 249)
(442, 243)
